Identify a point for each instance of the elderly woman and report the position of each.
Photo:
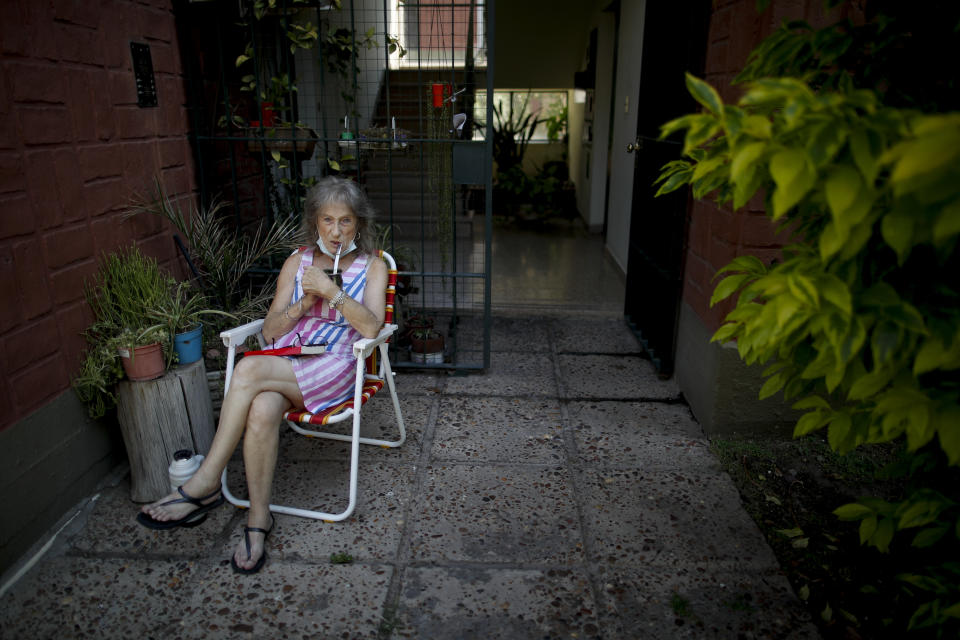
(308, 308)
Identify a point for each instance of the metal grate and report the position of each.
(382, 92)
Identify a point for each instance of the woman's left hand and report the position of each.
(318, 283)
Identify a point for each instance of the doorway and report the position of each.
(674, 42)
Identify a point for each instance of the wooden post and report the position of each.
(158, 417)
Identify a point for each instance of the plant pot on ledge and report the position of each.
(283, 139)
(426, 346)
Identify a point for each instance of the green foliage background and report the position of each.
(859, 323)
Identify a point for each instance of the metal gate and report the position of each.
(391, 94)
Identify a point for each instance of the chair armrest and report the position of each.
(236, 336)
(364, 347)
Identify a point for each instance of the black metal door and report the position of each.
(674, 42)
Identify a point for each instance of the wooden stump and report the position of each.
(158, 417)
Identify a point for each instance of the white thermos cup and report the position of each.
(184, 465)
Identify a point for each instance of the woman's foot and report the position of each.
(251, 553)
(181, 509)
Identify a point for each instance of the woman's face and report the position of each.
(336, 225)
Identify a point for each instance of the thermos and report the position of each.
(184, 465)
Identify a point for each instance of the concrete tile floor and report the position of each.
(565, 493)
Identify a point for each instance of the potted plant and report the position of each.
(426, 346)
(180, 314)
(128, 290)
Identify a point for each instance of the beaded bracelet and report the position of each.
(337, 301)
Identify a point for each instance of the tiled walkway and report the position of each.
(565, 493)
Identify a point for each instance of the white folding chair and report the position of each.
(371, 373)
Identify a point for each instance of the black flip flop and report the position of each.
(192, 519)
(246, 541)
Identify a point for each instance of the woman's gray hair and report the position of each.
(334, 190)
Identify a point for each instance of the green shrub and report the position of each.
(859, 323)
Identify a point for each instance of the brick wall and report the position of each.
(74, 149)
(718, 234)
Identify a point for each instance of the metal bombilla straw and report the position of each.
(336, 258)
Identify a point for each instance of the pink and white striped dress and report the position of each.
(326, 379)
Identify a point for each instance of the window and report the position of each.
(547, 106)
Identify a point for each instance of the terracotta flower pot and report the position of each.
(145, 363)
(427, 350)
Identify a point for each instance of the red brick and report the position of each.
(67, 283)
(103, 232)
(67, 244)
(85, 14)
(102, 196)
(31, 277)
(16, 216)
(760, 231)
(158, 26)
(161, 54)
(80, 104)
(34, 82)
(26, 30)
(73, 320)
(176, 181)
(103, 109)
(174, 152)
(158, 246)
(116, 40)
(136, 122)
(720, 253)
(9, 137)
(726, 226)
(10, 312)
(69, 185)
(43, 188)
(140, 160)
(38, 384)
(26, 346)
(11, 173)
(44, 124)
(79, 44)
(123, 90)
(100, 161)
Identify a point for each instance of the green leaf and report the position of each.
(884, 534)
(803, 289)
(838, 433)
(745, 264)
(918, 514)
(947, 423)
(842, 187)
(836, 293)
(947, 224)
(919, 156)
(744, 158)
(704, 94)
(868, 527)
(853, 511)
(897, 230)
(863, 155)
(728, 286)
(870, 384)
(929, 537)
(810, 422)
(757, 126)
(831, 240)
(241, 59)
(812, 402)
(772, 385)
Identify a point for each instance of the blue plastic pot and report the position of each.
(189, 345)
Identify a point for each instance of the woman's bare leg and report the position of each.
(260, 444)
(252, 376)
